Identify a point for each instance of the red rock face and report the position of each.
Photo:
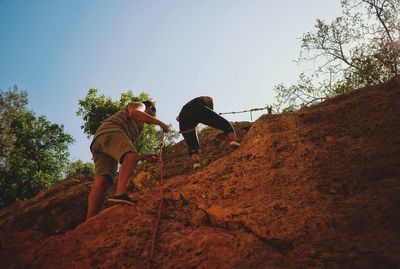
(52, 211)
(313, 189)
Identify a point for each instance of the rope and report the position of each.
(269, 108)
(160, 207)
(243, 111)
(155, 228)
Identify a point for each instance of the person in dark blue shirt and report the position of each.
(200, 110)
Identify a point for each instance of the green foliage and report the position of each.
(94, 109)
(36, 150)
(359, 48)
(79, 168)
(12, 103)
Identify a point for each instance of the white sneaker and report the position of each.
(196, 166)
(234, 144)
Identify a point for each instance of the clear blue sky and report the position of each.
(235, 51)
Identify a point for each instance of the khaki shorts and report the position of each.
(107, 150)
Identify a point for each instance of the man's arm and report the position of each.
(137, 112)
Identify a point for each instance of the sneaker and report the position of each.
(122, 199)
(234, 144)
(196, 166)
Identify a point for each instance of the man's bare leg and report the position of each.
(195, 157)
(97, 195)
(196, 160)
(232, 136)
(128, 165)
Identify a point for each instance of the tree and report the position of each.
(94, 109)
(36, 150)
(12, 103)
(359, 48)
(79, 168)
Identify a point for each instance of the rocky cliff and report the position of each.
(318, 188)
